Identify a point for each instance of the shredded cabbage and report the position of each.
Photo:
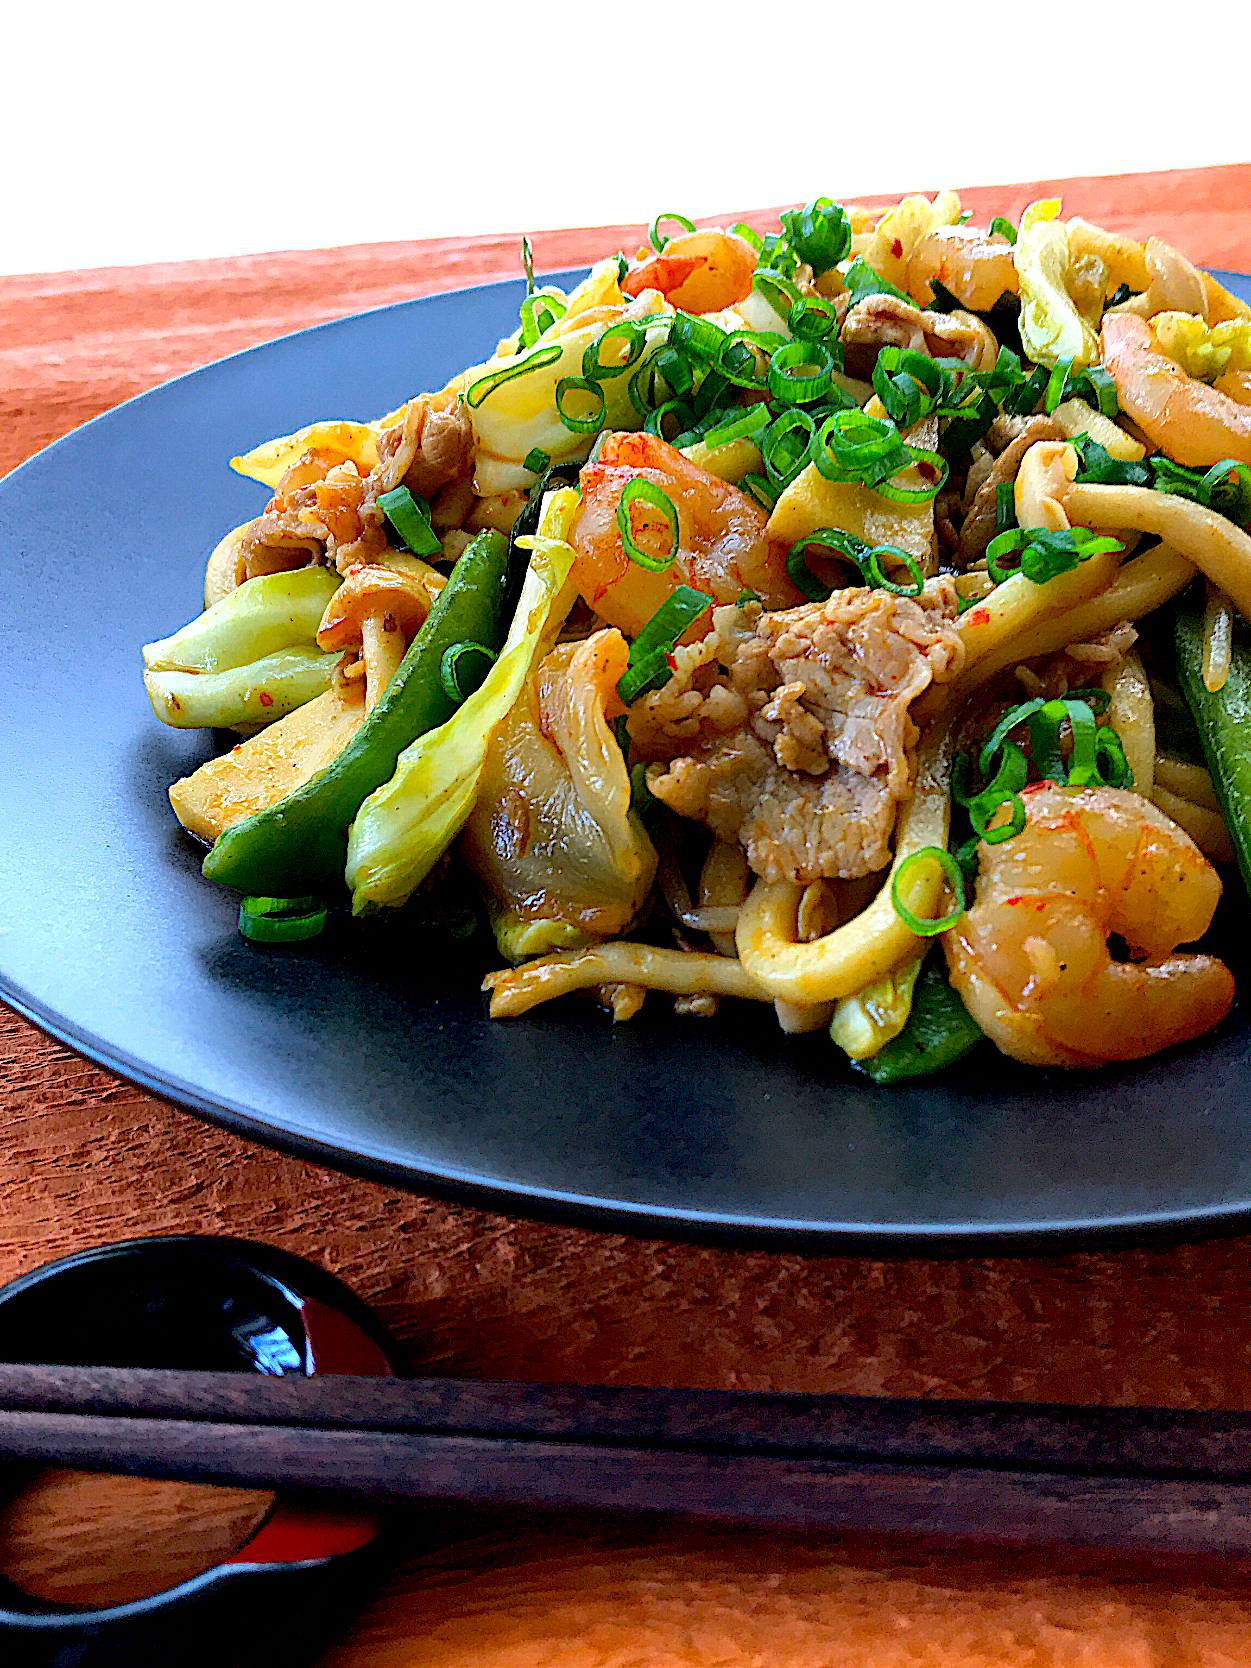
(1051, 326)
(249, 659)
(863, 1024)
(1204, 351)
(405, 826)
(555, 766)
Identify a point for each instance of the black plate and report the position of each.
(358, 1050)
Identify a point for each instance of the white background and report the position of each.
(137, 132)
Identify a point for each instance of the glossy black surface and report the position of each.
(212, 1304)
(367, 1051)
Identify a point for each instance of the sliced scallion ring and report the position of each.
(463, 668)
(750, 426)
(801, 372)
(788, 445)
(656, 237)
(646, 493)
(581, 385)
(281, 920)
(955, 879)
(630, 331)
(411, 520)
(487, 385)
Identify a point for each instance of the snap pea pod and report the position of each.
(938, 1033)
(1223, 719)
(299, 845)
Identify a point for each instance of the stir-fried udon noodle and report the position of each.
(846, 619)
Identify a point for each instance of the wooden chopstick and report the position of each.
(1065, 1438)
(1136, 1481)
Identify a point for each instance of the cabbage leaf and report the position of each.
(406, 825)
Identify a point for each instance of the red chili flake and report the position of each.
(1033, 787)
(671, 660)
(267, 700)
(896, 249)
(236, 747)
(356, 567)
(1010, 901)
(979, 616)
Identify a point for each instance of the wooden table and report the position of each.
(85, 1158)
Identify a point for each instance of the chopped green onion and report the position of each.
(656, 238)
(537, 461)
(932, 466)
(1094, 385)
(1023, 400)
(1005, 507)
(751, 425)
(1004, 228)
(1056, 384)
(784, 456)
(941, 299)
(642, 491)
(281, 920)
(735, 360)
(649, 653)
(633, 332)
(1004, 789)
(485, 386)
(746, 596)
(861, 281)
(538, 313)
(1098, 465)
(580, 385)
(1225, 488)
(683, 417)
(642, 402)
(411, 520)
(527, 263)
(851, 446)
(909, 384)
(675, 370)
(815, 321)
(1044, 554)
(848, 547)
(777, 288)
(764, 492)
(749, 234)
(819, 234)
(463, 667)
(697, 338)
(800, 372)
(951, 870)
(1095, 758)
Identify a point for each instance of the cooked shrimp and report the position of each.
(1174, 284)
(1193, 423)
(1031, 960)
(701, 272)
(974, 266)
(724, 548)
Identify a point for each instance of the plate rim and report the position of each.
(587, 1211)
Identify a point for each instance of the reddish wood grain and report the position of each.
(85, 1158)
